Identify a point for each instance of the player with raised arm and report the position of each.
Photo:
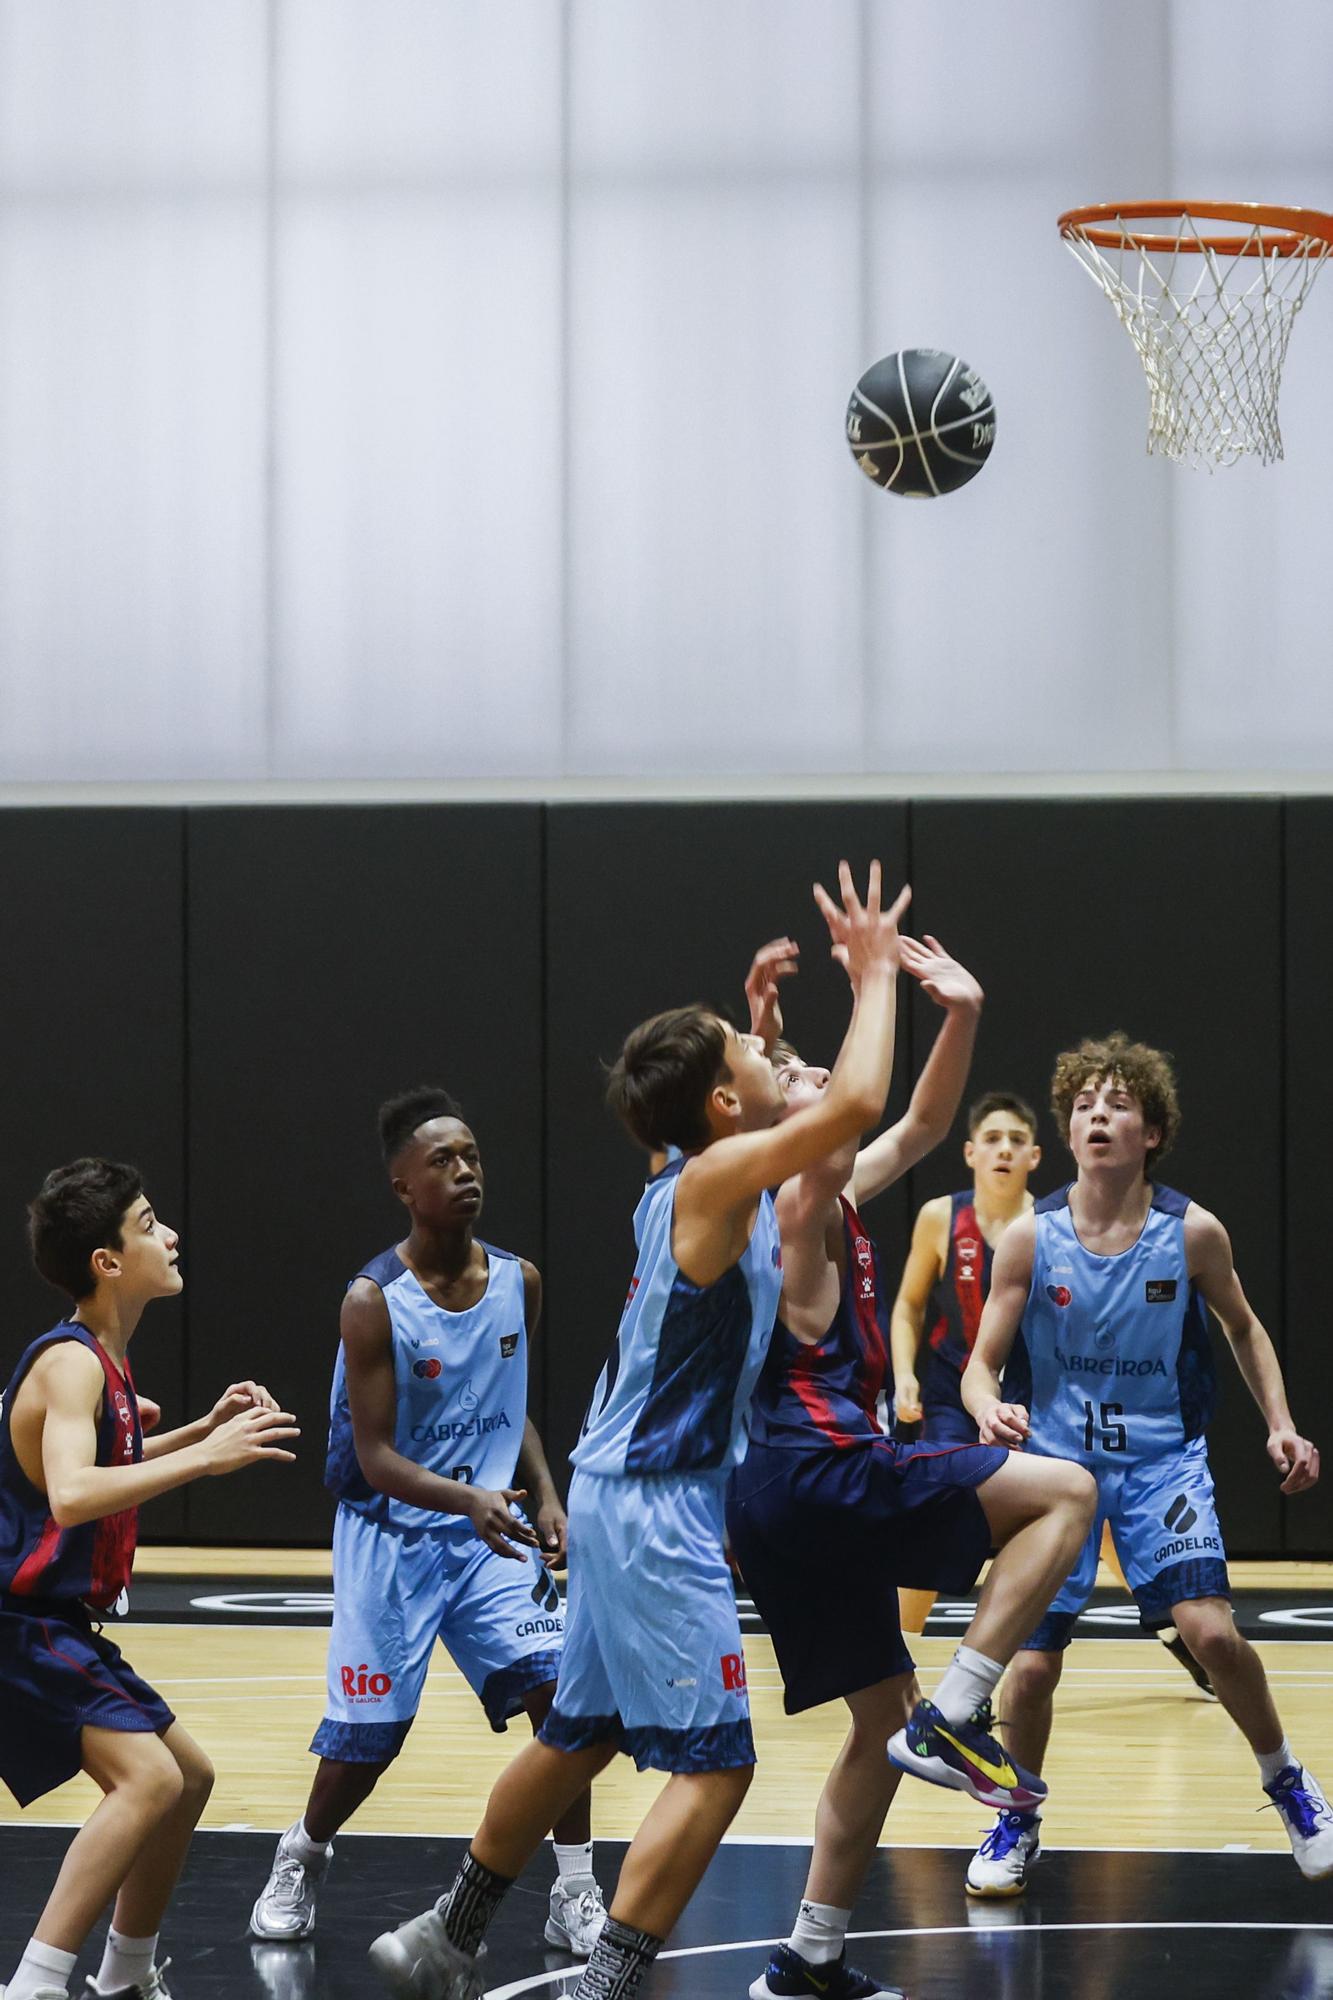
(1111, 1280)
(653, 1662)
(74, 1470)
(430, 1450)
(828, 1515)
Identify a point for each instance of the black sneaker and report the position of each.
(1180, 1652)
(789, 1977)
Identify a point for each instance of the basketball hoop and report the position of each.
(1210, 314)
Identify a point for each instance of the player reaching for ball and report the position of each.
(1111, 1280)
(828, 1515)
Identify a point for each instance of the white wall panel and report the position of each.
(454, 388)
(132, 331)
(715, 601)
(418, 402)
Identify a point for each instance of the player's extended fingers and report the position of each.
(851, 902)
(900, 903)
(828, 909)
(874, 889)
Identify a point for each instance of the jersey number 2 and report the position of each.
(1114, 1436)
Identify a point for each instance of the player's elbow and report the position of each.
(66, 1512)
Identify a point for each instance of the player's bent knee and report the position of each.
(1210, 1633)
(1032, 1677)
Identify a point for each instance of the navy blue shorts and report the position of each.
(824, 1538)
(60, 1675)
(946, 1421)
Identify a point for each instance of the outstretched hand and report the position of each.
(865, 937)
(947, 983)
(773, 961)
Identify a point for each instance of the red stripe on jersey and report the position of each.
(37, 1561)
(969, 1263)
(864, 1281)
(819, 1410)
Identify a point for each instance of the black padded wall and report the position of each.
(1308, 1098)
(91, 918)
(648, 906)
(1161, 917)
(225, 995)
(337, 955)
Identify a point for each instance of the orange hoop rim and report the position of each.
(1306, 232)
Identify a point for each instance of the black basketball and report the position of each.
(921, 422)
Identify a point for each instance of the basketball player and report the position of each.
(74, 1469)
(430, 1449)
(948, 1275)
(653, 1662)
(827, 1515)
(1110, 1280)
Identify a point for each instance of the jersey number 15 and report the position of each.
(1113, 1436)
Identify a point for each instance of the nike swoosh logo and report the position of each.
(999, 1774)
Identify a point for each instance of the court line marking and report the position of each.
(985, 1933)
(728, 1840)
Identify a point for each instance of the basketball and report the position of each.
(921, 422)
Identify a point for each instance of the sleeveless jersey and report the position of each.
(961, 1289)
(92, 1562)
(1122, 1365)
(462, 1390)
(675, 1390)
(809, 1396)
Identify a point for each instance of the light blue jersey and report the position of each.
(1122, 1366)
(462, 1388)
(675, 1391)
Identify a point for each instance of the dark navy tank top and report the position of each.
(960, 1291)
(38, 1558)
(828, 1394)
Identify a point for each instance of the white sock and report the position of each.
(1276, 1762)
(969, 1680)
(572, 1861)
(819, 1933)
(126, 1961)
(41, 1965)
(308, 1852)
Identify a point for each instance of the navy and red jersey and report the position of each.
(92, 1562)
(808, 1397)
(959, 1293)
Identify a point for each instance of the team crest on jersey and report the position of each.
(1060, 1295)
(427, 1371)
(508, 1346)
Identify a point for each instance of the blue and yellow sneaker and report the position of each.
(964, 1757)
(1308, 1818)
(789, 1977)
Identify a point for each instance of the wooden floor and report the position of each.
(1138, 1758)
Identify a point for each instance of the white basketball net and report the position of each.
(1211, 329)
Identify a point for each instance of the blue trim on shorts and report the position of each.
(360, 1742)
(1197, 1576)
(1053, 1634)
(580, 1732)
(722, 1746)
(503, 1691)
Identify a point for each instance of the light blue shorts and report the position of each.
(394, 1594)
(653, 1660)
(1163, 1517)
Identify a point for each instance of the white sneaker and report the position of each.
(419, 1960)
(42, 1993)
(285, 1911)
(154, 1987)
(1308, 1818)
(1000, 1865)
(577, 1914)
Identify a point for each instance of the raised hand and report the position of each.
(773, 961)
(948, 983)
(500, 1530)
(865, 937)
(254, 1437)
